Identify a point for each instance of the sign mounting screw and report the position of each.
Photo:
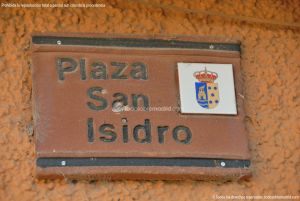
(58, 42)
(223, 164)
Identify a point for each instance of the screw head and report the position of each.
(211, 47)
(58, 42)
(63, 163)
(223, 164)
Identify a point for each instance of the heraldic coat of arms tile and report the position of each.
(206, 88)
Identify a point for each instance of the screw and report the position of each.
(211, 47)
(63, 163)
(223, 164)
(58, 42)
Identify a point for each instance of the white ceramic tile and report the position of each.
(225, 104)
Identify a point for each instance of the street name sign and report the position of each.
(124, 107)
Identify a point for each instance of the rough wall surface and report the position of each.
(271, 73)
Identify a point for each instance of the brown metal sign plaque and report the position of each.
(138, 108)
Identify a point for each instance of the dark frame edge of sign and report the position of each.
(134, 42)
(45, 162)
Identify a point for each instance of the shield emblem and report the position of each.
(207, 91)
(207, 94)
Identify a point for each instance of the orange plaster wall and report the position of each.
(270, 69)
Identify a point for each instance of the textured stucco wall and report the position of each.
(271, 73)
